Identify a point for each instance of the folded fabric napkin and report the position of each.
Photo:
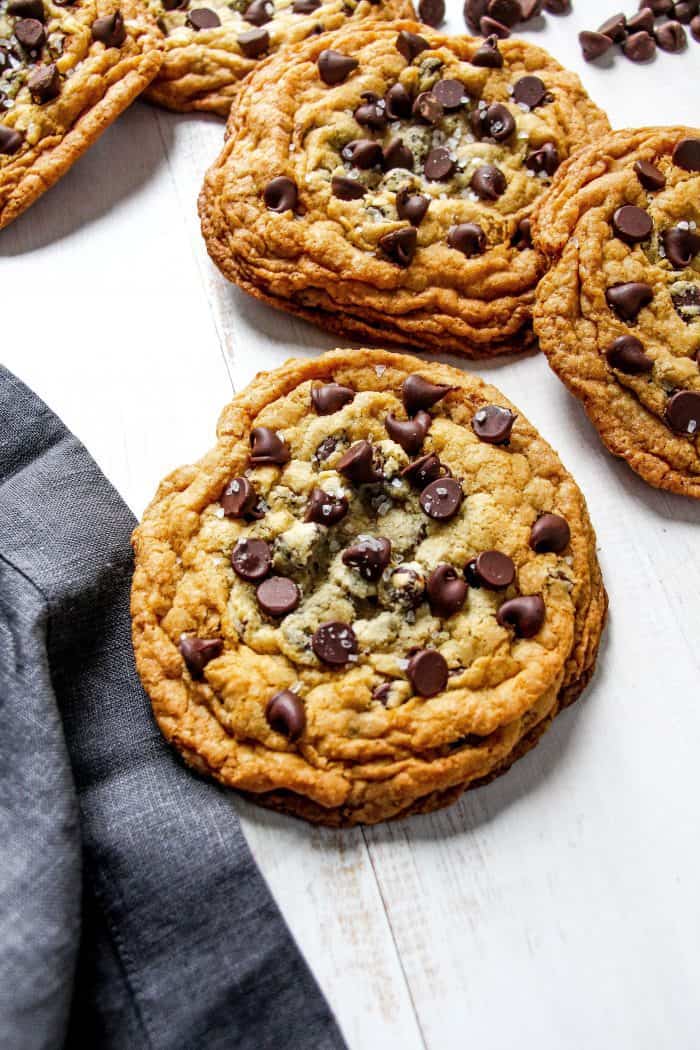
(132, 913)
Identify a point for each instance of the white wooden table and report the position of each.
(557, 908)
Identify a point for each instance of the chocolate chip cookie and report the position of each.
(376, 590)
(618, 316)
(380, 181)
(210, 47)
(67, 70)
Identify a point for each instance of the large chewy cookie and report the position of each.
(210, 47)
(618, 316)
(375, 591)
(379, 182)
(67, 70)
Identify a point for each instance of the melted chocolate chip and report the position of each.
(529, 91)
(411, 206)
(330, 398)
(628, 299)
(550, 534)
(369, 556)
(31, 33)
(493, 570)
(239, 499)
(253, 43)
(451, 94)
(397, 155)
(427, 108)
(357, 464)
(631, 224)
(410, 45)
(467, 238)
(347, 189)
(493, 424)
(44, 83)
(334, 643)
(203, 18)
(525, 615)
(488, 182)
(267, 447)
(683, 413)
(285, 713)
(487, 55)
(410, 433)
(424, 470)
(400, 245)
(522, 238)
(447, 591)
(259, 12)
(545, 159)
(398, 103)
(251, 559)
(371, 113)
(10, 140)
(427, 672)
(439, 164)
(442, 499)
(418, 393)
(626, 354)
(362, 153)
(681, 245)
(197, 652)
(649, 176)
(281, 194)
(494, 122)
(326, 448)
(334, 67)
(278, 596)
(324, 509)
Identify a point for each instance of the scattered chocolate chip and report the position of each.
(671, 36)
(369, 556)
(557, 7)
(427, 108)
(259, 12)
(487, 55)
(357, 464)
(203, 18)
(488, 182)
(649, 176)
(550, 534)
(639, 47)
(657, 7)
(197, 652)
(525, 615)
(494, 122)
(371, 113)
(615, 28)
(683, 413)
(508, 12)
(281, 194)
(409, 433)
(451, 94)
(627, 355)
(427, 672)
(447, 591)
(631, 224)
(239, 499)
(278, 596)
(285, 713)
(410, 45)
(439, 164)
(432, 12)
(529, 91)
(493, 424)
(685, 10)
(681, 245)
(27, 9)
(628, 299)
(594, 45)
(334, 643)
(31, 33)
(253, 43)
(493, 570)
(347, 189)
(695, 28)
(642, 22)
(362, 153)
(267, 447)
(44, 83)
(411, 206)
(330, 398)
(396, 155)
(334, 67)
(400, 245)
(324, 509)
(418, 393)
(398, 102)
(522, 238)
(441, 499)
(545, 159)
(490, 27)
(305, 7)
(467, 238)
(686, 154)
(251, 559)
(424, 470)
(474, 11)
(10, 140)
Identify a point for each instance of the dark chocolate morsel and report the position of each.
(285, 713)
(487, 55)
(330, 398)
(550, 534)
(671, 36)
(239, 498)
(631, 224)
(529, 91)
(525, 615)
(410, 44)
(626, 354)
(253, 43)
(493, 424)
(493, 570)
(447, 591)
(545, 159)
(10, 140)
(109, 30)
(362, 153)
(594, 45)
(251, 559)
(493, 122)
(686, 154)
(642, 21)
(488, 182)
(27, 9)
(44, 83)
(281, 194)
(347, 189)
(305, 7)
(427, 108)
(334, 67)
(203, 18)
(411, 206)
(324, 509)
(357, 464)
(509, 12)
(424, 470)
(681, 245)
(451, 93)
(441, 499)
(398, 102)
(417, 393)
(427, 672)
(467, 238)
(639, 47)
(614, 27)
(439, 164)
(522, 238)
(267, 447)
(197, 652)
(432, 12)
(490, 27)
(259, 12)
(369, 556)
(683, 413)
(397, 155)
(334, 643)
(400, 245)
(278, 596)
(371, 113)
(409, 433)
(31, 33)
(649, 175)
(628, 299)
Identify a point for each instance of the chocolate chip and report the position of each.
(411, 206)
(685, 10)
(330, 398)
(628, 299)
(557, 7)
(285, 713)
(259, 12)
(447, 591)
(632, 224)
(474, 11)
(334, 67)
(493, 570)
(451, 94)
(172, 5)
(509, 12)
(490, 27)
(545, 159)
(642, 22)
(594, 45)
(495, 122)
(31, 33)
(334, 643)
(27, 9)
(487, 55)
(396, 155)
(281, 194)
(525, 615)
(197, 652)
(419, 393)
(427, 108)
(409, 433)
(371, 113)
(442, 499)
(657, 7)
(324, 509)
(10, 140)
(400, 245)
(427, 672)
(671, 36)
(432, 12)
(529, 91)
(686, 154)
(488, 182)
(439, 164)
(522, 238)
(649, 176)
(424, 470)
(109, 30)
(626, 354)
(493, 424)
(267, 447)
(639, 47)
(362, 153)
(44, 83)
(369, 556)
(251, 559)
(615, 28)
(410, 45)
(278, 596)
(683, 413)
(531, 9)
(347, 189)
(550, 534)
(357, 464)
(253, 43)
(398, 102)
(305, 7)
(681, 246)
(239, 498)
(467, 238)
(695, 28)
